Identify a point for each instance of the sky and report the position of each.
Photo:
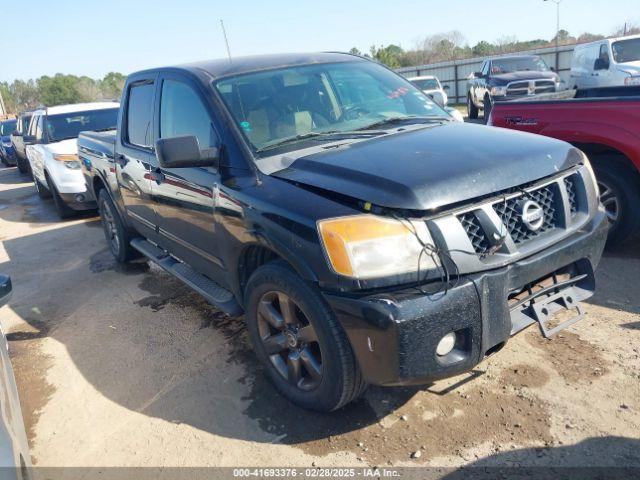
(44, 37)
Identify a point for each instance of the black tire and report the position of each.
(488, 106)
(620, 194)
(117, 235)
(63, 210)
(42, 191)
(472, 110)
(23, 165)
(340, 381)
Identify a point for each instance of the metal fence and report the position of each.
(456, 73)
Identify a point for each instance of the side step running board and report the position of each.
(214, 293)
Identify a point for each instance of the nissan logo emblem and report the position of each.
(532, 215)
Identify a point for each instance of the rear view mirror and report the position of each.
(601, 64)
(184, 152)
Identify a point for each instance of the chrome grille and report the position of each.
(476, 233)
(511, 216)
(530, 87)
(571, 194)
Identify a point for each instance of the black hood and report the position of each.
(504, 78)
(433, 167)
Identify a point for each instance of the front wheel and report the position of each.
(63, 210)
(488, 106)
(299, 341)
(41, 190)
(621, 199)
(23, 165)
(472, 110)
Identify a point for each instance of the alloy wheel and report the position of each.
(610, 200)
(289, 340)
(110, 228)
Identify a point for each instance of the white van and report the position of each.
(606, 63)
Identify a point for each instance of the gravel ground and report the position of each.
(124, 366)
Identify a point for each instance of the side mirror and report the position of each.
(553, 69)
(29, 139)
(16, 133)
(601, 64)
(478, 74)
(5, 289)
(184, 152)
(446, 88)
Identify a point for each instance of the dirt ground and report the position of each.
(124, 366)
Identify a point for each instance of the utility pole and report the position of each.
(557, 2)
(3, 110)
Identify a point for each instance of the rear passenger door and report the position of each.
(135, 154)
(185, 196)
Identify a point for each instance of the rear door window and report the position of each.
(139, 113)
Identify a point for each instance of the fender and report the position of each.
(617, 138)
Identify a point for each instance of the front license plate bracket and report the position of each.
(545, 308)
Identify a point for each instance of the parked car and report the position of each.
(367, 237)
(606, 63)
(506, 78)
(15, 461)
(53, 152)
(17, 140)
(431, 86)
(603, 123)
(7, 153)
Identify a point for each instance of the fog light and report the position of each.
(446, 344)
(79, 198)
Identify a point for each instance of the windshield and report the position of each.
(7, 128)
(520, 64)
(69, 125)
(426, 84)
(626, 50)
(308, 101)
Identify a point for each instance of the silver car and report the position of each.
(14, 450)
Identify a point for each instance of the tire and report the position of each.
(472, 110)
(488, 106)
(62, 209)
(41, 190)
(270, 289)
(23, 165)
(117, 235)
(620, 195)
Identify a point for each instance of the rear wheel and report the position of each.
(299, 341)
(620, 195)
(472, 110)
(117, 235)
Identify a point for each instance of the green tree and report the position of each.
(59, 89)
(111, 85)
(355, 51)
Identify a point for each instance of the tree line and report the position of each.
(60, 89)
(452, 45)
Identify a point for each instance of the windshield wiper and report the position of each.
(315, 135)
(397, 120)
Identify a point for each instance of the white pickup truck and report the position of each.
(52, 151)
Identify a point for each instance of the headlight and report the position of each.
(632, 81)
(69, 160)
(367, 246)
(499, 91)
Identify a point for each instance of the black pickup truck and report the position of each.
(366, 236)
(509, 78)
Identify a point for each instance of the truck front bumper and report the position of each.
(394, 335)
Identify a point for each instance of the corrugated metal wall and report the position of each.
(456, 73)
